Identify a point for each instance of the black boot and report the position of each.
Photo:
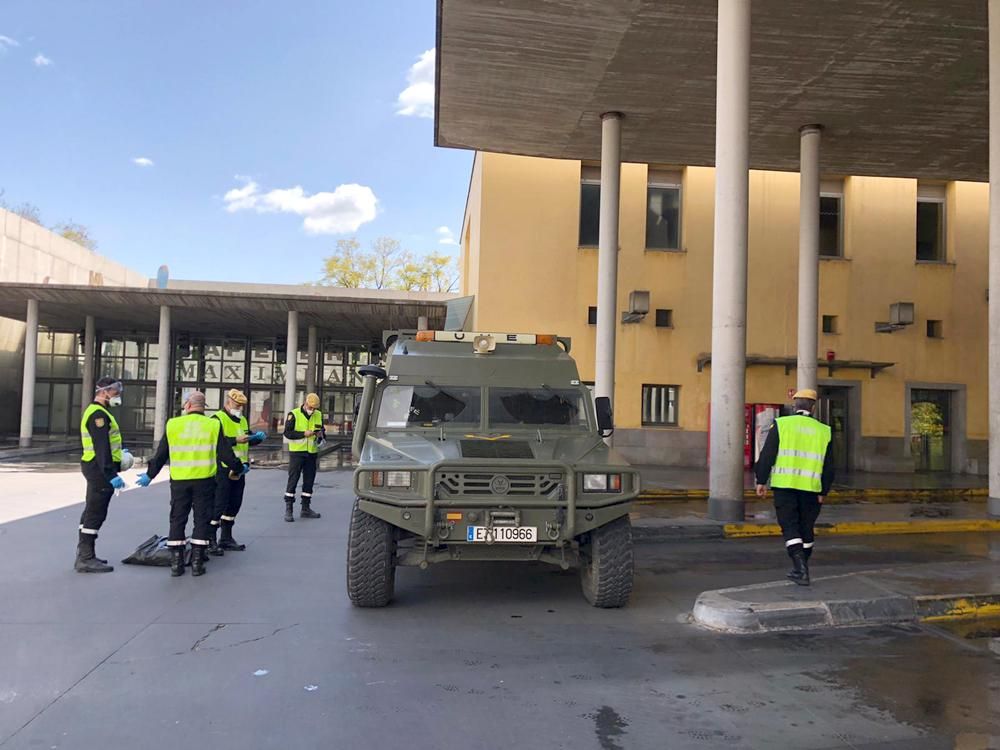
(214, 548)
(227, 541)
(289, 510)
(308, 512)
(800, 571)
(177, 560)
(198, 556)
(86, 560)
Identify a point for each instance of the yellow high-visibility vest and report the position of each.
(114, 434)
(303, 423)
(233, 429)
(802, 444)
(192, 440)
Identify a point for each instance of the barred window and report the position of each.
(659, 405)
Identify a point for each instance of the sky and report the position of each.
(230, 140)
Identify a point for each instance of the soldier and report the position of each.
(797, 458)
(229, 491)
(304, 432)
(193, 445)
(100, 463)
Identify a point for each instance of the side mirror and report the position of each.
(605, 418)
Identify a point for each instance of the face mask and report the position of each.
(115, 401)
(237, 413)
(307, 411)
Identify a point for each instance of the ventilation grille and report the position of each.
(496, 449)
(521, 485)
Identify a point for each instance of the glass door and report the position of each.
(833, 410)
(930, 429)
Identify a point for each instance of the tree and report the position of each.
(348, 267)
(28, 211)
(77, 233)
(386, 259)
(442, 271)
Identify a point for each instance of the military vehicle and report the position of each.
(486, 446)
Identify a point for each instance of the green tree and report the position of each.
(387, 259)
(77, 233)
(386, 265)
(348, 267)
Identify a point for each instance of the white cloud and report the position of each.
(42, 61)
(6, 43)
(142, 161)
(343, 210)
(417, 99)
(446, 236)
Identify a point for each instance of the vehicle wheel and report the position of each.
(606, 565)
(371, 560)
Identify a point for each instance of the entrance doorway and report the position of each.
(930, 429)
(338, 410)
(833, 409)
(57, 408)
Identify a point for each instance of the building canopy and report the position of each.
(900, 88)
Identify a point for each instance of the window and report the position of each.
(663, 211)
(590, 206)
(659, 405)
(830, 324)
(830, 245)
(592, 316)
(429, 406)
(930, 223)
(934, 329)
(537, 406)
(664, 318)
(59, 355)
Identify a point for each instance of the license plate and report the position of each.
(503, 534)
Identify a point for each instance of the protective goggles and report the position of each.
(116, 386)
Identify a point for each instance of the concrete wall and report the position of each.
(30, 253)
(528, 273)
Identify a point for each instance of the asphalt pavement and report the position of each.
(265, 651)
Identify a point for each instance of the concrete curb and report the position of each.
(846, 495)
(722, 611)
(870, 528)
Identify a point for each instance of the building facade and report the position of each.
(903, 302)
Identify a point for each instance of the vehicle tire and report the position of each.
(371, 560)
(606, 565)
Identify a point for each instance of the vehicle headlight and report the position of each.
(398, 479)
(602, 482)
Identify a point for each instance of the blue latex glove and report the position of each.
(118, 483)
(260, 435)
(246, 470)
(143, 480)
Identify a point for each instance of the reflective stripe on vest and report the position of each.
(192, 440)
(303, 423)
(802, 444)
(234, 430)
(114, 435)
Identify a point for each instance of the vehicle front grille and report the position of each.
(496, 449)
(482, 483)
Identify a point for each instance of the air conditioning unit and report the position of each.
(638, 307)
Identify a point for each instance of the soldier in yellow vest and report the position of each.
(100, 463)
(193, 445)
(229, 491)
(304, 433)
(798, 460)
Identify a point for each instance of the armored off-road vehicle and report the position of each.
(486, 446)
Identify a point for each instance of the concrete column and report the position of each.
(808, 348)
(311, 362)
(729, 273)
(28, 383)
(994, 262)
(292, 357)
(89, 345)
(607, 254)
(164, 363)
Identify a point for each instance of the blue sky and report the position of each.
(236, 104)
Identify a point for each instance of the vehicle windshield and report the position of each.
(429, 406)
(565, 407)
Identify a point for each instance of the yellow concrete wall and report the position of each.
(532, 276)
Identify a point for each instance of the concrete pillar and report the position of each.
(311, 361)
(808, 347)
(729, 273)
(607, 254)
(89, 345)
(994, 262)
(164, 362)
(28, 383)
(292, 357)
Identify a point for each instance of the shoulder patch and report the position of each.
(99, 422)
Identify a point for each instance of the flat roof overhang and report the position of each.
(242, 310)
(900, 88)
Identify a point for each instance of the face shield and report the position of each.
(114, 391)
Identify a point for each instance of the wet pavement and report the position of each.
(266, 652)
